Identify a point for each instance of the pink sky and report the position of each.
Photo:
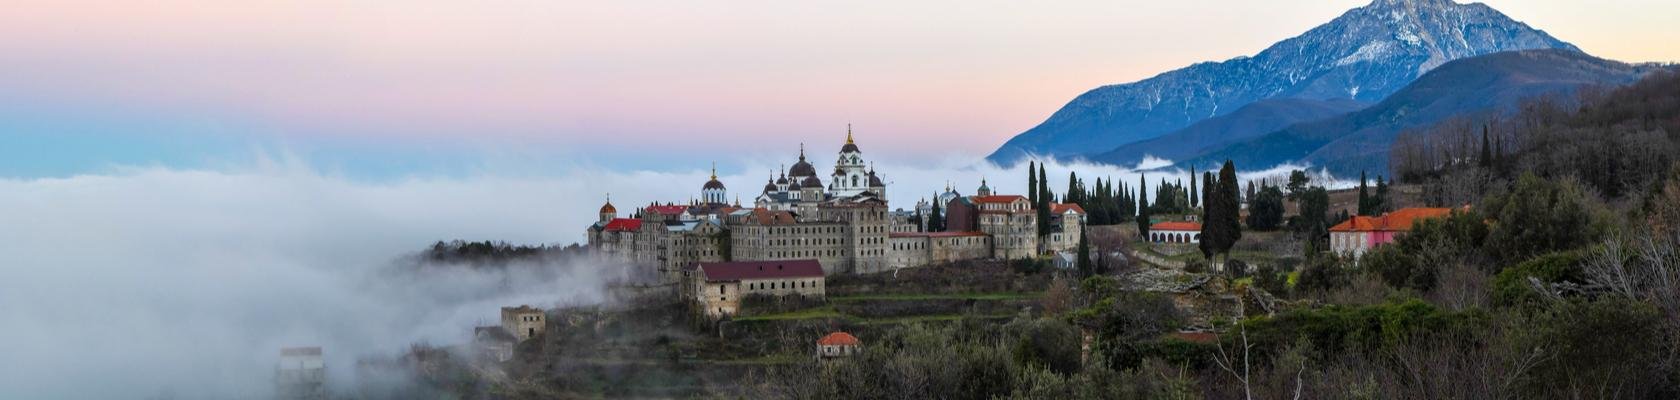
(965, 75)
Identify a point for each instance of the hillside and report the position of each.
(1489, 84)
(1365, 54)
(1253, 120)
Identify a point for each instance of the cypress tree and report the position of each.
(936, 221)
(1364, 196)
(1487, 150)
(1032, 184)
(1084, 261)
(1380, 201)
(1143, 208)
(1194, 199)
(1044, 194)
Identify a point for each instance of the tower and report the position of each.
(608, 212)
(983, 190)
(714, 192)
(850, 177)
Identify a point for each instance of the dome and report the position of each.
(714, 184)
(850, 147)
(802, 168)
(769, 186)
(875, 181)
(782, 180)
(608, 209)
(811, 181)
(793, 185)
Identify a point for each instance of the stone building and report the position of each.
(716, 289)
(1009, 220)
(301, 374)
(922, 248)
(837, 345)
(1067, 221)
(494, 342)
(524, 322)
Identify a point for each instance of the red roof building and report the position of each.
(1176, 232)
(1360, 234)
(837, 344)
(623, 225)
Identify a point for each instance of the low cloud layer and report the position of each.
(156, 281)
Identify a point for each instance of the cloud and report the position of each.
(187, 282)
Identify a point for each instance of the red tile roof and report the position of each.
(839, 339)
(1058, 208)
(1176, 226)
(1397, 221)
(740, 270)
(998, 199)
(935, 234)
(624, 225)
(667, 210)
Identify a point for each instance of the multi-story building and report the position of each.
(843, 225)
(1067, 221)
(717, 288)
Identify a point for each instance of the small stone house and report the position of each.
(717, 288)
(524, 322)
(494, 342)
(836, 345)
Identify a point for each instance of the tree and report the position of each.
(1486, 160)
(1364, 196)
(1032, 184)
(1084, 261)
(1265, 209)
(1380, 202)
(936, 221)
(1044, 194)
(1220, 227)
(1298, 182)
(1143, 208)
(1194, 199)
(1540, 216)
(1315, 206)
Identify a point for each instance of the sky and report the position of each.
(383, 89)
(187, 186)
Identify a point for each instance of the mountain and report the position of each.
(1365, 54)
(1495, 83)
(1250, 121)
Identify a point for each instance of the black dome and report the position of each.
(802, 168)
(875, 181)
(769, 187)
(850, 147)
(811, 181)
(714, 184)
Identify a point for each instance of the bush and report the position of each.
(1540, 216)
(1511, 287)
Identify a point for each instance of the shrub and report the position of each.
(1511, 286)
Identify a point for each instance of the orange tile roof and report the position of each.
(838, 339)
(1176, 226)
(1397, 221)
